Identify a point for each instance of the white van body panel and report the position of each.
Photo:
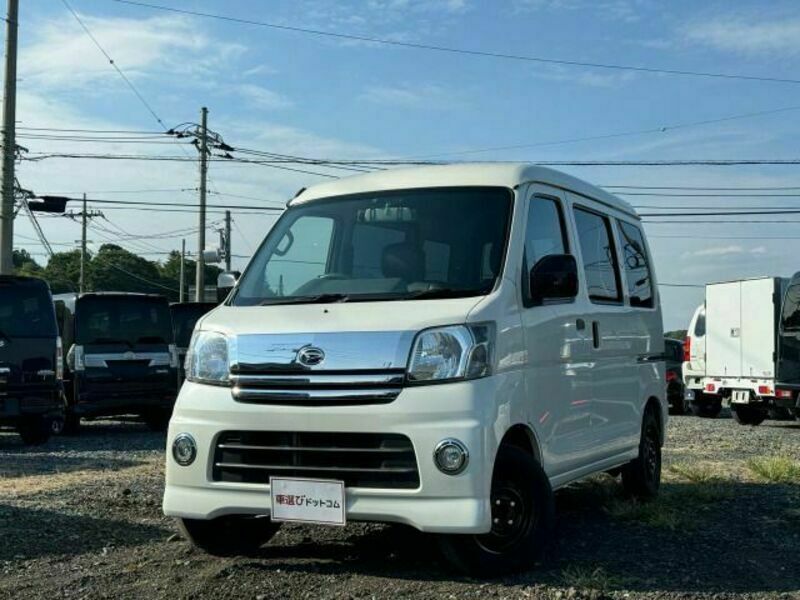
(694, 369)
(580, 405)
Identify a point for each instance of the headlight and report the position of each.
(207, 359)
(455, 352)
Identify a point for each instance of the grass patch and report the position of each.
(696, 472)
(659, 513)
(775, 469)
(591, 579)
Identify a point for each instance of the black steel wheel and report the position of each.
(642, 476)
(522, 520)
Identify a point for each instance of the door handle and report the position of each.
(580, 324)
(595, 334)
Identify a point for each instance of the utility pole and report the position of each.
(183, 278)
(82, 286)
(200, 280)
(9, 142)
(227, 240)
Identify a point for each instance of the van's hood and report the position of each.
(401, 315)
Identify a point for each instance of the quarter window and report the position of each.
(637, 266)
(599, 256)
(545, 234)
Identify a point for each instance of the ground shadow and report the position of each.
(694, 539)
(34, 533)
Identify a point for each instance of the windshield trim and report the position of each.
(512, 194)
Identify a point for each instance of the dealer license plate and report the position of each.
(307, 500)
(740, 396)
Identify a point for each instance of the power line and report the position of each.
(133, 88)
(661, 129)
(463, 51)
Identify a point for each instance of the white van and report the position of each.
(694, 367)
(441, 347)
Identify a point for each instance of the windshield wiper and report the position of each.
(318, 299)
(441, 293)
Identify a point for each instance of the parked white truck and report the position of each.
(749, 361)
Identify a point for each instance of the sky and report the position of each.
(294, 93)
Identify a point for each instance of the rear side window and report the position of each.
(700, 325)
(545, 234)
(26, 310)
(637, 265)
(599, 256)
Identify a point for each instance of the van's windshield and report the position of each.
(397, 245)
(184, 318)
(791, 309)
(26, 310)
(125, 320)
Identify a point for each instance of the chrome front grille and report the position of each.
(374, 460)
(318, 388)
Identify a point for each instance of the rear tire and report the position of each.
(34, 430)
(72, 424)
(748, 415)
(157, 420)
(233, 535)
(523, 514)
(641, 477)
(707, 408)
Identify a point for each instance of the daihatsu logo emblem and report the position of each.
(310, 356)
(129, 355)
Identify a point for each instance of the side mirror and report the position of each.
(554, 277)
(225, 283)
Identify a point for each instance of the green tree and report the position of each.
(171, 268)
(25, 264)
(115, 269)
(63, 271)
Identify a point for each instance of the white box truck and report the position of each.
(743, 342)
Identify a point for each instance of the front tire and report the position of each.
(232, 535)
(523, 514)
(641, 477)
(749, 415)
(34, 430)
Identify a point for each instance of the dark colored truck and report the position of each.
(120, 356)
(787, 387)
(676, 393)
(185, 316)
(31, 398)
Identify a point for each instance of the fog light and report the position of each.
(451, 456)
(184, 450)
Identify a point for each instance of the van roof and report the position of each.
(509, 175)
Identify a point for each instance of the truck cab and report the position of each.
(184, 317)
(120, 356)
(787, 389)
(31, 398)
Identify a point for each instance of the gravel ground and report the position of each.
(80, 518)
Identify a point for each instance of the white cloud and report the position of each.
(627, 11)
(407, 95)
(262, 98)
(595, 78)
(61, 55)
(746, 35)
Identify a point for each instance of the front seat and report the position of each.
(403, 261)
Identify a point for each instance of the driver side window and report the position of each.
(545, 234)
(301, 256)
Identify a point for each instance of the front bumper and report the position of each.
(13, 407)
(425, 414)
